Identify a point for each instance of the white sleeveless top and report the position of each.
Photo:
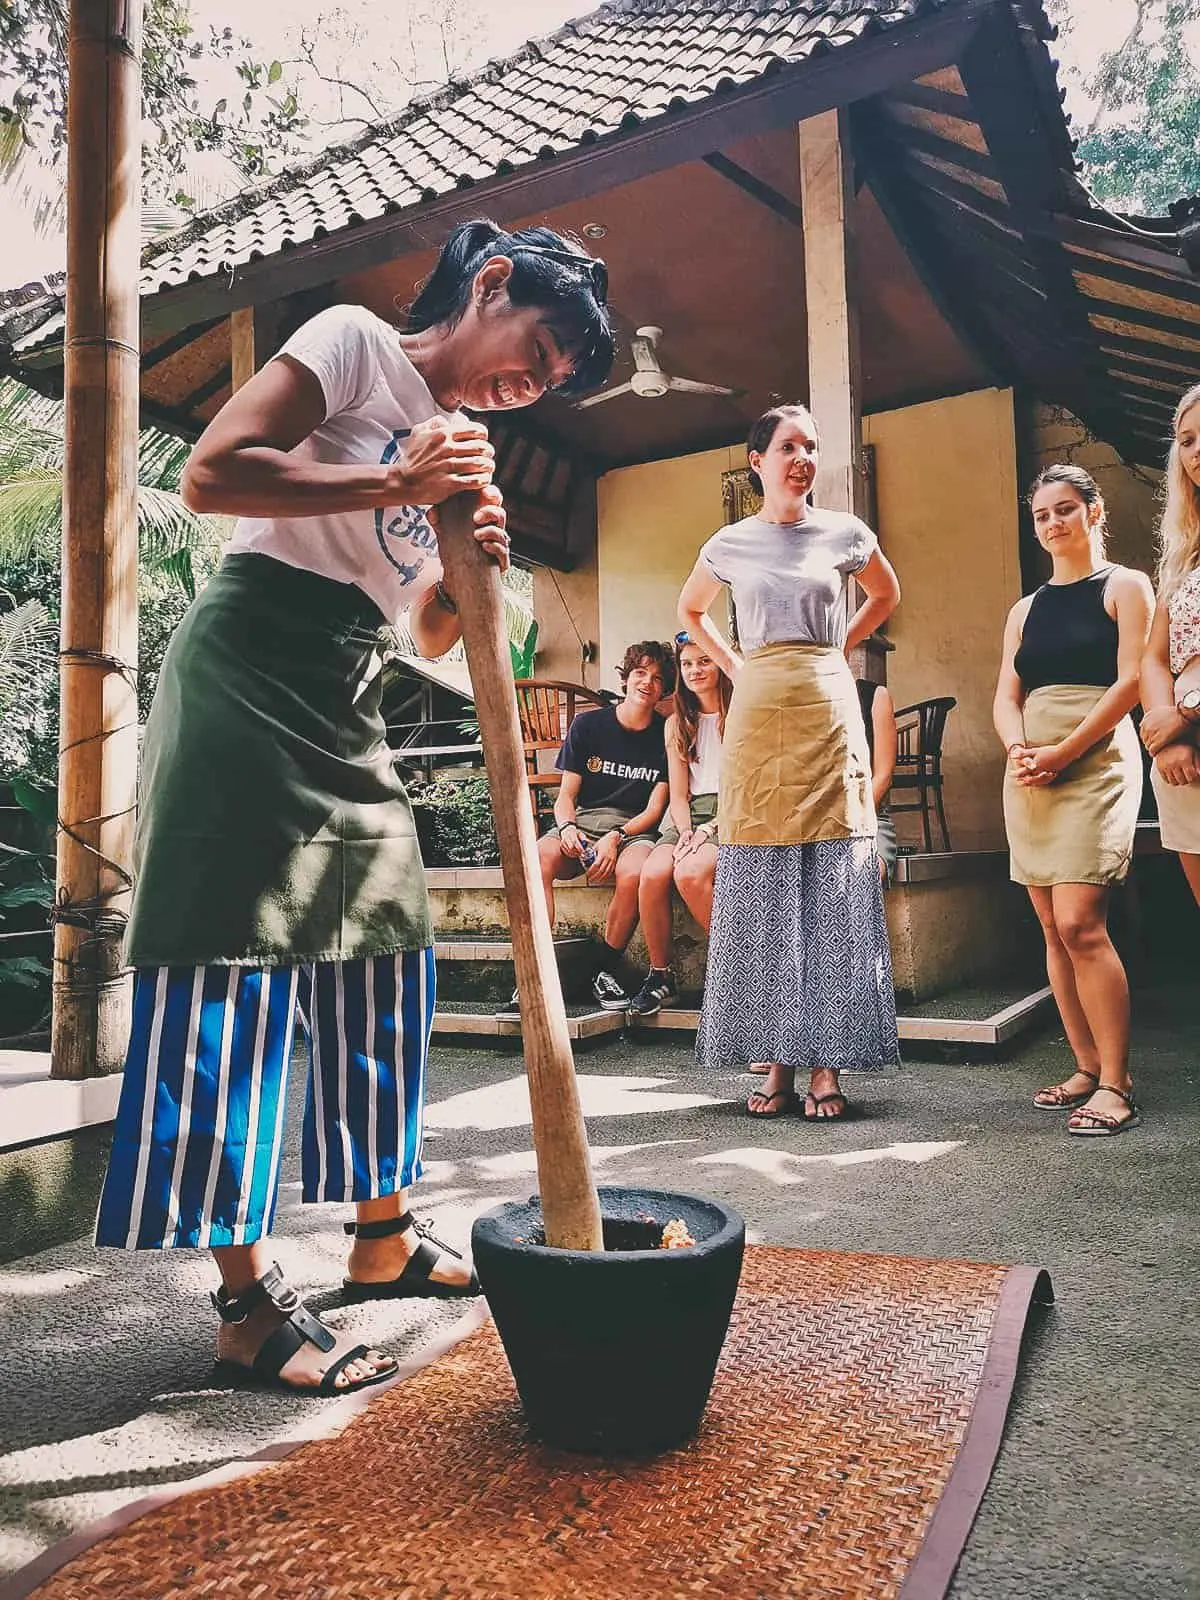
(1183, 610)
(704, 773)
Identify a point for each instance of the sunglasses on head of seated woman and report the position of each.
(683, 638)
(591, 266)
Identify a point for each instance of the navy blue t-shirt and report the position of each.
(619, 766)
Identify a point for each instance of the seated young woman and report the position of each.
(686, 856)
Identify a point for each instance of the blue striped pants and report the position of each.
(199, 1130)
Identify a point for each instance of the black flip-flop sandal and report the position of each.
(415, 1281)
(1104, 1124)
(1066, 1102)
(786, 1095)
(277, 1349)
(823, 1100)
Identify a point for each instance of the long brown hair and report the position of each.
(687, 704)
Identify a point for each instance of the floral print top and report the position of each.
(1183, 609)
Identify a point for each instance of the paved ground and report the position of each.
(1094, 1495)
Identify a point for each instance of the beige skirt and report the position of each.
(1081, 828)
(1178, 814)
(794, 762)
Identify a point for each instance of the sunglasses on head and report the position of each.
(683, 638)
(591, 266)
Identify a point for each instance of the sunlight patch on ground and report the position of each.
(29, 1285)
(506, 1105)
(523, 1163)
(779, 1165)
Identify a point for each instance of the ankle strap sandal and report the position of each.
(416, 1279)
(300, 1327)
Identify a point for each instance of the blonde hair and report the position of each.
(1179, 530)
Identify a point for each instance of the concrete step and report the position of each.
(495, 947)
(991, 1032)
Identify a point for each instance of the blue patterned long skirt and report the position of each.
(799, 967)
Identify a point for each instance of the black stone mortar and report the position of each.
(613, 1353)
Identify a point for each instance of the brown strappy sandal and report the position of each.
(1104, 1124)
(1056, 1098)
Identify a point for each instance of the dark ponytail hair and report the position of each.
(1084, 485)
(763, 432)
(575, 307)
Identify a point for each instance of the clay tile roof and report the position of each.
(616, 67)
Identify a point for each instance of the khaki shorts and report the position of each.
(704, 811)
(594, 824)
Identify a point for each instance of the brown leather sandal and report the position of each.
(1056, 1098)
(1104, 1124)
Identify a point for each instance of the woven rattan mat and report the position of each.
(852, 1428)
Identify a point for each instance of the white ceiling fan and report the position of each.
(649, 381)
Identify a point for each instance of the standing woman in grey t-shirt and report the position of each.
(799, 971)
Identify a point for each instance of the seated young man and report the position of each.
(612, 799)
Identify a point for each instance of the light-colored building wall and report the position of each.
(653, 520)
(946, 485)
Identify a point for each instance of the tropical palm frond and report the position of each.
(12, 147)
(165, 524)
(30, 513)
(32, 454)
(161, 459)
(31, 429)
(28, 650)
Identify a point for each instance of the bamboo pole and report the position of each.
(98, 763)
(570, 1206)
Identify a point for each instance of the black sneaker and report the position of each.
(659, 990)
(608, 993)
(512, 1009)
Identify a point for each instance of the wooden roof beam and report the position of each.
(892, 191)
(994, 73)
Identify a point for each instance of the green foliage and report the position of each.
(454, 822)
(32, 452)
(1140, 144)
(174, 547)
(256, 126)
(26, 895)
(524, 654)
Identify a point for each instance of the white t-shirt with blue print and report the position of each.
(374, 397)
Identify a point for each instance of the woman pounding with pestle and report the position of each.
(279, 876)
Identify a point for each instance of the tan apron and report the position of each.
(794, 762)
(1080, 828)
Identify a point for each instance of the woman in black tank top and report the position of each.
(1073, 785)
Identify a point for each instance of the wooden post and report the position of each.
(242, 364)
(834, 367)
(99, 727)
(252, 342)
(570, 1205)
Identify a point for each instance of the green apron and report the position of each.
(272, 828)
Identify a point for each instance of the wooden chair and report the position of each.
(547, 709)
(919, 732)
